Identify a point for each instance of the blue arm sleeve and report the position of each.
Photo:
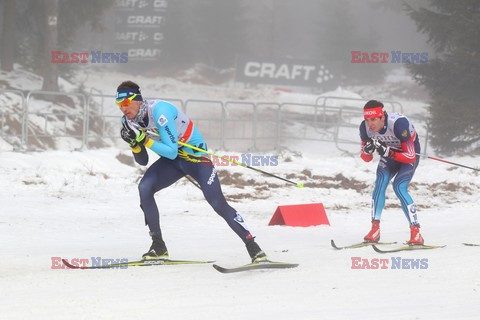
(164, 115)
(363, 131)
(402, 129)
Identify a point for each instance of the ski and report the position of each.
(472, 244)
(358, 245)
(406, 248)
(140, 263)
(256, 266)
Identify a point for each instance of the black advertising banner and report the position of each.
(290, 72)
(139, 28)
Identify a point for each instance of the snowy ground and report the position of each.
(85, 204)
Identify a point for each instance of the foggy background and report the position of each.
(258, 78)
(222, 43)
(216, 32)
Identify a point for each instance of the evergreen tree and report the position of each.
(453, 76)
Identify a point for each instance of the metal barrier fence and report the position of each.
(12, 119)
(94, 121)
(355, 102)
(58, 122)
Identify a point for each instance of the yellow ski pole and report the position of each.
(300, 185)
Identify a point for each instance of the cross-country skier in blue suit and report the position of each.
(396, 141)
(159, 125)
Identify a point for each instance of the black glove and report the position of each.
(368, 147)
(131, 135)
(382, 148)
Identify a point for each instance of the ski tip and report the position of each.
(257, 266)
(332, 243)
(218, 268)
(377, 249)
(71, 266)
(292, 265)
(66, 263)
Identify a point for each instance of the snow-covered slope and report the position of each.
(85, 204)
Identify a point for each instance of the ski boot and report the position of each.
(374, 234)
(255, 252)
(158, 249)
(415, 236)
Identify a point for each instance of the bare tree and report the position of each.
(8, 36)
(50, 70)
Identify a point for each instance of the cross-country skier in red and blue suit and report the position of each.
(396, 141)
(158, 125)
